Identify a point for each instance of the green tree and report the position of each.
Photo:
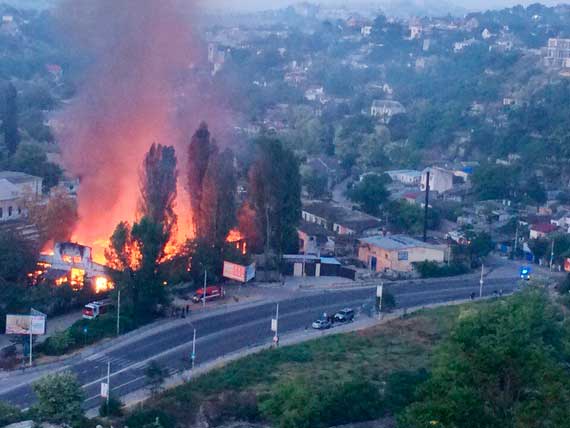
(275, 194)
(504, 365)
(495, 182)
(9, 414)
(316, 184)
(405, 217)
(200, 150)
(218, 204)
(31, 158)
(10, 122)
(370, 193)
(155, 377)
(60, 398)
(17, 257)
(535, 191)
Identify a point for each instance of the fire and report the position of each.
(102, 285)
(237, 238)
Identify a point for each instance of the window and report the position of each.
(9, 211)
(19, 211)
(402, 255)
(1, 212)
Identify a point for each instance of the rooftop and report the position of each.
(395, 242)
(355, 220)
(17, 177)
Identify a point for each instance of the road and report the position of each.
(225, 333)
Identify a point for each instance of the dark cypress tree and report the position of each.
(200, 150)
(10, 126)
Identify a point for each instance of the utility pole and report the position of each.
(552, 255)
(481, 281)
(379, 294)
(31, 337)
(516, 240)
(205, 286)
(193, 350)
(426, 208)
(275, 326)
(119, 312)
(108, 384)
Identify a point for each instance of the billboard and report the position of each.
(20, 324)
(238, 272)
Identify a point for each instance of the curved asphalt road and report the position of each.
(222, 334)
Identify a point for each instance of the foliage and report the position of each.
(9, 414)
(388, 301)
(218, 204)
(401, 387)
(370, 193)
(316, 184)
(275, 194)
(149, 419)
(31, 158)
(405, 217)
(200, 150)
(60, 398)
(502, 366)
(493, 181)
(158, 189)
(298, 403)
(113, 408)
(155, 376)
(10, 119)
(55, 220)
(428, 269)
(58, 343)
(17, 257)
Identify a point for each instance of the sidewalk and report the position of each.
(54, 325)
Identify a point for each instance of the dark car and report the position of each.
(321, 324)
(345, 315)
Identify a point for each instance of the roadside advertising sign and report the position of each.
(21, 324)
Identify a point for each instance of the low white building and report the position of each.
(440, 180)
(409, 177)
(15, 187)
(397, 253)
(386, 109)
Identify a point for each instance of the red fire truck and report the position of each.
(94, 309)
(212, 292)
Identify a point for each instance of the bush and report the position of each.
(58, 344)
(148, 418)
(435, 270)
(401, 388)
(9, 414)
(113, 408)
(299, 403)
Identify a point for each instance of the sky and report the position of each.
(468, 4)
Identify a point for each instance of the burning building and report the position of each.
(73, 264)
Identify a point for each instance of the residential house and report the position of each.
(440, 179)
(558, 53)
(397, 253)
(408, 177)
(315, 240)
(341, 220)
(542, 230)
(14, 188)
(386, 109)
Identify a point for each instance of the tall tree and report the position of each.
(370, 193)
(275, 194)
(218, 205)
(503, 366)
(55, 219)
(60, 398)
(200, 150)
(10, 128)
(158, 187)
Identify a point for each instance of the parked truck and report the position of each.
(95, 309)
(212, 292)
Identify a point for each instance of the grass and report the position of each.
(371, 355)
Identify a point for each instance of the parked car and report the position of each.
(344, 316)
(322, 324)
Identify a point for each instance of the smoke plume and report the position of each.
(138, 51)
